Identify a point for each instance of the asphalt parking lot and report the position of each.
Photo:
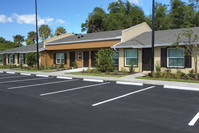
(39, 104)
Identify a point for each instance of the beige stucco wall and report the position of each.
(134, 31)
(122, 60)
(157, 54)
(157, 59)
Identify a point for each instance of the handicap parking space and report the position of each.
(105, 106)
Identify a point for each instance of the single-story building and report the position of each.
(131, 45)
(83, 47)
(138, 50)
(16, 56)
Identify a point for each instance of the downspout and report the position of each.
(115, 46)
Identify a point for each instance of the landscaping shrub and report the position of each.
(115, 72)
(88, 70)
(52, 67)
(31, 59)
(124, 71)
(161, 74)
(107, 72)
(131, 69)
(61, 65)
(158, 68)
(104, 59)
(168, 70)
(186, 76)
(21, 66)
(75, 64)
(154, 74)
(191, 73)
(176, 75)
(94, 70)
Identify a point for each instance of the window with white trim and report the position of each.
(59, 58)
(116, 58)
(176, 57)
(21, 58)
(79, 55)
(11, 59)
(1, 60)
(131, 55)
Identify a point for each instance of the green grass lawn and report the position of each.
(95, 74)
(19, 69)
(166, 79)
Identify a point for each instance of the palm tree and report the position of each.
(44, 32)
(60, 30)
(32, 36)
(18, 39)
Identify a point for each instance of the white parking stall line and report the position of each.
(129, 83)
(42, 75)
(25, 74)
(64, 77)
(77, 88)
(194, 120)
(12, 77)
(93, 80)
(11, 72)
(122, 96)
(22, 80)
(26, 86)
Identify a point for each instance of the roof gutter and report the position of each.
(149, 46)
(81, 41)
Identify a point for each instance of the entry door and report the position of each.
(146, 59)
(86, 58)
(93, 60)
(72, 58)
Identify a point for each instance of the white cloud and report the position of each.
(60, 21)
(30, 19)
(137, 2)
(4, 19)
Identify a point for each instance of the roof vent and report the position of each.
(76, 34)
(78, 37)
(82, 35)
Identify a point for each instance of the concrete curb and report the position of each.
(129, 83)
(93, 80)
(181, 88)
(136, 82)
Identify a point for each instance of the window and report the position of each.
(176, 57)
(131, 56)
(59, 58)
(79, 55)
(21, 56)
(1, 60)
(116, 58)
(11, 59)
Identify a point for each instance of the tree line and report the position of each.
(122, 15)
(44, 33)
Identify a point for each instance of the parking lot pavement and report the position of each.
(30, 104)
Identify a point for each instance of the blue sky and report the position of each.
(17, 16)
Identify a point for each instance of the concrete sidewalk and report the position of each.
(129, 78)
